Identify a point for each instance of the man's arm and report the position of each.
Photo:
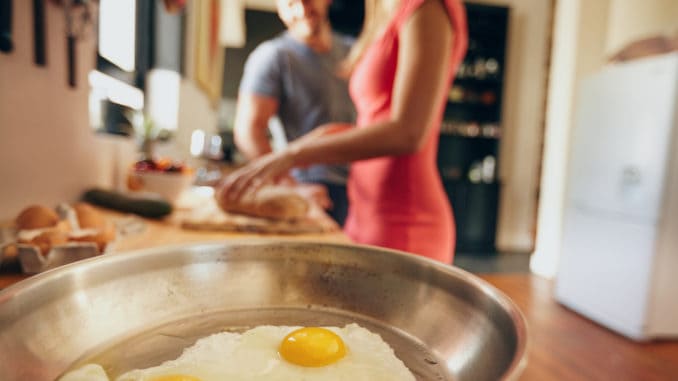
(251, 124)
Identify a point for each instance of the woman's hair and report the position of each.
(377, 14)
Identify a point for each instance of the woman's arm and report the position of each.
(421, 78)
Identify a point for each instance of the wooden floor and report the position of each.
(563, 345)
(566, 346)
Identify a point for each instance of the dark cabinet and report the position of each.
(475, 212)
(471, 132)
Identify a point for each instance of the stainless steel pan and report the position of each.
(137, 309)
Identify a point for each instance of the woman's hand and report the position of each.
(267, 169)
(272, 167)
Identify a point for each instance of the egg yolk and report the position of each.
(312, 347)
(176, 377)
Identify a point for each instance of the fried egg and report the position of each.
(89, 372)
(281, 353)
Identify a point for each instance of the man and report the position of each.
(295, 77)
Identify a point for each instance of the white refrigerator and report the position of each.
(619, 258)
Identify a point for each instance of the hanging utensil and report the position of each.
(6, 44)
(79, 16)
(39, 32)
(70, 42)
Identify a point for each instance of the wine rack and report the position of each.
(471, 131)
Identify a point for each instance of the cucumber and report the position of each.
(145, 207)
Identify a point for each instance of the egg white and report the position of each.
(253, 356)
(89, 372)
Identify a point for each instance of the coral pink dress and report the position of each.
(399, 201)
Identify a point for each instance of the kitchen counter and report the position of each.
(156, 233)
(562, 344)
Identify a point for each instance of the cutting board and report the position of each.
(207, 216)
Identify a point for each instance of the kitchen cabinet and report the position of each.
(470, 134)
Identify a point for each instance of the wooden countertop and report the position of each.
(156, 233)
(161, 233)
(562, 344)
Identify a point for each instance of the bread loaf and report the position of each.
(274, 202)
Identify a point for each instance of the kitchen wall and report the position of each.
(578, 45)
(196, 111)
(262, 5)
(630, 20)
(48, 154)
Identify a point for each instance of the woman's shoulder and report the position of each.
(406, 8)
(454, 8)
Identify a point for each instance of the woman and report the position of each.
(401, 71)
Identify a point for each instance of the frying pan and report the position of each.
(137, 309)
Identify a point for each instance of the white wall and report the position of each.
(630, 20)
(48, 154)
(262, 5)
(579, 41)
(196, 111)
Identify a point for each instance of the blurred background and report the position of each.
(82, 76)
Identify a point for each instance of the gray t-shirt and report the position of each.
(308, 91)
